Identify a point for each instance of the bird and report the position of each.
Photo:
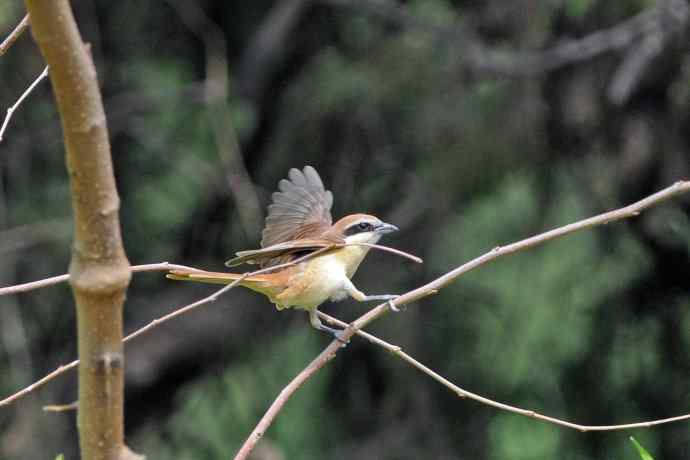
(299, 229)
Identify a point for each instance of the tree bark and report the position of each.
(99, 270)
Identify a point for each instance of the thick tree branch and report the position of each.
(431, 288)
(99, 270)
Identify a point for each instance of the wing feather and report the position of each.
(301, 209)
(298, 217)
(281, 252)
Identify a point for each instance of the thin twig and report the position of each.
(462, 393)
(61, 407)
(321, 360)
(14, 35)
(17, 288)
(371, 338)
(26, 93)
(388, 249)
(329, 352)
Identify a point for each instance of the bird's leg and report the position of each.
(317, 324)
(359, 296)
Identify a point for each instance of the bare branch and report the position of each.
(219, 115)
(38, 383)
(14, 35)
(24, 95)
(16, 289)
(61, 407)
(268, 47)
(671, 18)
(512, 62)
(321, 360)
(430, 288)
(397, 252)
(462, 393)
(531, 63)
(636, 61)
(371, 338)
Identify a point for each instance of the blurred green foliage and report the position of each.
(204, 429)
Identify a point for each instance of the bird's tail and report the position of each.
(214, 277)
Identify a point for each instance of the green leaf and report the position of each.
(644, 455)
(60, 457)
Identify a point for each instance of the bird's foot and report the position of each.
(336, 333)
(394, 308)
(391, 304)
(389, 297)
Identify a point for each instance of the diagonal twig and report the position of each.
(24, 95)
(14, 35)
(462, 393)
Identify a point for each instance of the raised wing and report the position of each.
(301, 209)
(282, 252)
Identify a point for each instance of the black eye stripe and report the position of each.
(360, 227)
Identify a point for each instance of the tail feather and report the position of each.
(212, 277)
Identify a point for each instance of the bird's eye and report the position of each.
(360, 227)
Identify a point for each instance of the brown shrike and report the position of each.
(299, 222)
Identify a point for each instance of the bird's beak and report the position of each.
(383, 228)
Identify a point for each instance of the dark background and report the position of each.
(430, 114)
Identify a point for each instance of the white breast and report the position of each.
(328, 275)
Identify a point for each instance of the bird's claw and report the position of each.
(392, 305)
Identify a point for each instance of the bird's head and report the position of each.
(362, 228)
